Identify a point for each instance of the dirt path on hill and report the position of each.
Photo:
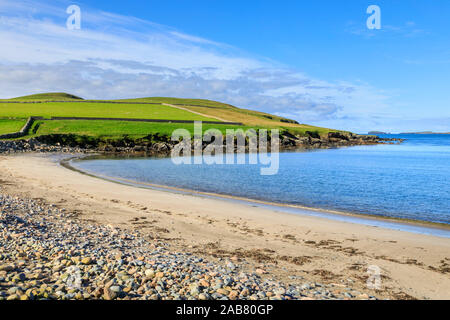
(200, 114)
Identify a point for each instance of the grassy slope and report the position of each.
(88, 109)
(116, 129)
(11, 125)
(249, 118)
(234, 114)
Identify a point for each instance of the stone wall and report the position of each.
(22, 132)
(144, 120)
(27, 126)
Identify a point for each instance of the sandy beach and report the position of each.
(281, 245)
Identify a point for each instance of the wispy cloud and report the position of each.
(408, 29)
(116, 56)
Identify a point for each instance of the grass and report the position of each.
(214, 108)
(11, 125)
(116, 129)
(179, 101)
(103, 110)
(234, 114)
(196, 109)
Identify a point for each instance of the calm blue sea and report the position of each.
(409, 180)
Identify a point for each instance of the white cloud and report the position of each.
(115, 56)
(408, 29)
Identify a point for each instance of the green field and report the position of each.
(13, 116)
(116, 129)
(218, 109)
(102, 110)
(11, 125)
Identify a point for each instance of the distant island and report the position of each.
(377, 132)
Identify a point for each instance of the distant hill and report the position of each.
(377, 132)
(48, 97)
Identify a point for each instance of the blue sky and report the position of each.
(314, 61)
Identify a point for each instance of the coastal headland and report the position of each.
(144, 126)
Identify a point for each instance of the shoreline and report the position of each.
(395, 223)
(146, 146)
(298, 250)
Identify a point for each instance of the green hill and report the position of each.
(48, 96)
(48, 105)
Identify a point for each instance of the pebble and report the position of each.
(46, 252)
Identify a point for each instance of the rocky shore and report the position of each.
(49, 252)
(33, 145)
(332, 140)
(156, 145)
